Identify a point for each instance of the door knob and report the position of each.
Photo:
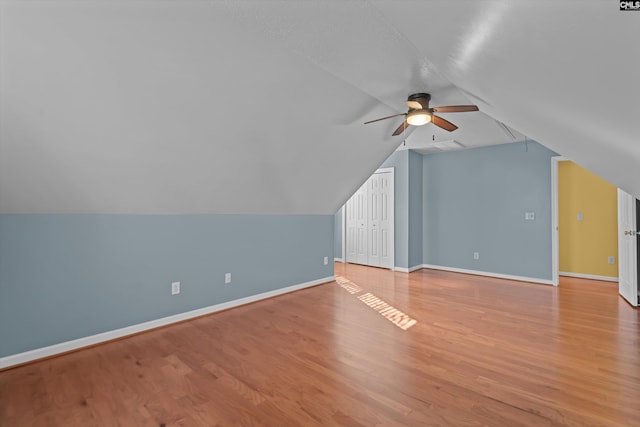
(630, 233)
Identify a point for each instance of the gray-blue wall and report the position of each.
(475, 201)
(415, 212)
(408, 166)
(64, 277)
(337, 235)
(399, 160)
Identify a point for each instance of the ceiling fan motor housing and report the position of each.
(418, 101)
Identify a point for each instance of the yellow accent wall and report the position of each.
(586, 244)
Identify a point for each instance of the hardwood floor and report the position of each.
(483, 352)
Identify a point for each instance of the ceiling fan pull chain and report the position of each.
(404, 136)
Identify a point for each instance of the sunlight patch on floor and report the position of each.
(347, 284)
(391, 313)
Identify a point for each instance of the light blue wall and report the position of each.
(475, 201)
(68, 276)
(415, 181)
(408, 207)
(399, 160)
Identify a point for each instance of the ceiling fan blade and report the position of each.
(385, 118)
(455, 109)
(444, 124)
(401, 128)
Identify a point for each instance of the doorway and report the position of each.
(627, 261)
(369, 222)
(587, 224)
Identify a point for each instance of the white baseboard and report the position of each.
(64, 347)
(338, 260)
(489, 274)
(408, 270)
(588, 276)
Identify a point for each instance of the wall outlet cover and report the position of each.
(227, 278)
(175, 288)
(476, 255)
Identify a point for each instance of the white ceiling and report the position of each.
(258, 106)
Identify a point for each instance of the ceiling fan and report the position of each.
(420, 114)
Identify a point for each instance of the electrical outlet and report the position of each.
(612, 260)
(326, 260)
(175, 288)
(529, 216)
(476, 255)
(227, 277)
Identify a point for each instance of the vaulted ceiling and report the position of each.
(258, 106)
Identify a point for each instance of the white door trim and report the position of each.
(344, 233)
(555, 243)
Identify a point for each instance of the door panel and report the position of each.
(356, 227)
(374, 220)
(361, 247)
(627, 248)
(361, 225)
(385, 224)
(384, 244)
(351, 230)
(374, 247)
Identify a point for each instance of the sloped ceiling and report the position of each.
(258, 106)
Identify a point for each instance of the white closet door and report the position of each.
(361, 225)
(357, 227)
(369, 222)
(374, 210)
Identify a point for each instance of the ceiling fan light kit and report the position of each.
(420, 114)
(418, 117)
